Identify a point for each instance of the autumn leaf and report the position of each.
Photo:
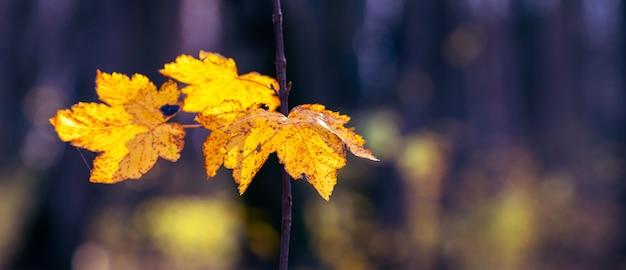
(311, 142)
(213, 78)
(129, 128)
(215, 119)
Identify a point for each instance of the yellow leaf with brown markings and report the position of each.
(311, 142)
(129, 128)
(213, 78)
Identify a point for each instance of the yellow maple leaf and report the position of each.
(129, 128)
(213, 78)
(311, 142)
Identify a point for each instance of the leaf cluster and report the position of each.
(131, 128)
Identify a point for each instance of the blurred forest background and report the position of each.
(500, 125)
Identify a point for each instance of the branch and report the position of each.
(283, 94)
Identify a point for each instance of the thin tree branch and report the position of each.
(283, 94)
(281, 62)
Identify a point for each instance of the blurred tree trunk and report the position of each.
(424, 93)
(73, 39)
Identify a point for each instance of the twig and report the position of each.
(283, 94)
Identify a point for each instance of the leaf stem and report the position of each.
(191, 125)
(283, 94)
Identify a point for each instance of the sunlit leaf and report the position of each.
(129, 129)
(311, 142)
(213, 78)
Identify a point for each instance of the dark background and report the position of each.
(500, 127)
